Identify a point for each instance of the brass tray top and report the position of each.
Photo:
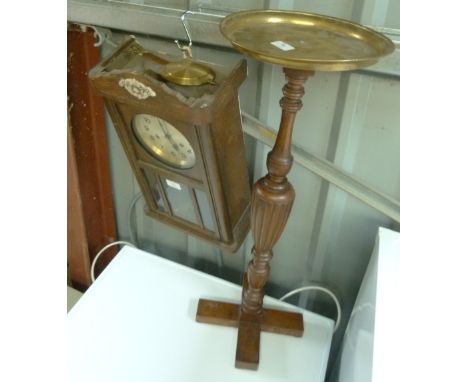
(307, 41)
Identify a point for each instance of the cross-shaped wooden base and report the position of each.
(250, 326)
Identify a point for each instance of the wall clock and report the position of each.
(184, 143)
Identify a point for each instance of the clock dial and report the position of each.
(163, 141)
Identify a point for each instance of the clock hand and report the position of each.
(166, 133)
(162, 126)
(168, 136)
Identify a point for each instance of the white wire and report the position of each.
(322, 289)
(130, 218)
(93, 265)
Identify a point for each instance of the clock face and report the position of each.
(163, 141)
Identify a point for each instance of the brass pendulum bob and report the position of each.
(187, 72)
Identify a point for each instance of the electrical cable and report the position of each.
(219, 260)
(322, 289)
(130, 218)
(244, 262)
(93, 265)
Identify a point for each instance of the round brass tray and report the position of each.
(307, 41)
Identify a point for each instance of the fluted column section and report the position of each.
(273, 195)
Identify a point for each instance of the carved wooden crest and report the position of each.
(136, 88)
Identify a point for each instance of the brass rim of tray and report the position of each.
(311, 41)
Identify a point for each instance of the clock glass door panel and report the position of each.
(205, 210)
(156, 190)
(181, 202)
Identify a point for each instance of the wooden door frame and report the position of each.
(88, 143)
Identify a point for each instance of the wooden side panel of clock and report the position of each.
(229, 149)
(227, 132)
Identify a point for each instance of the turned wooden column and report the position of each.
(273, 196)
(272, 199)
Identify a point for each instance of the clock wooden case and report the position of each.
(184, 143)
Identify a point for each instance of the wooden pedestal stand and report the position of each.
(272, 199)
(301, 43)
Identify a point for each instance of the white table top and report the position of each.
(137, 323)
